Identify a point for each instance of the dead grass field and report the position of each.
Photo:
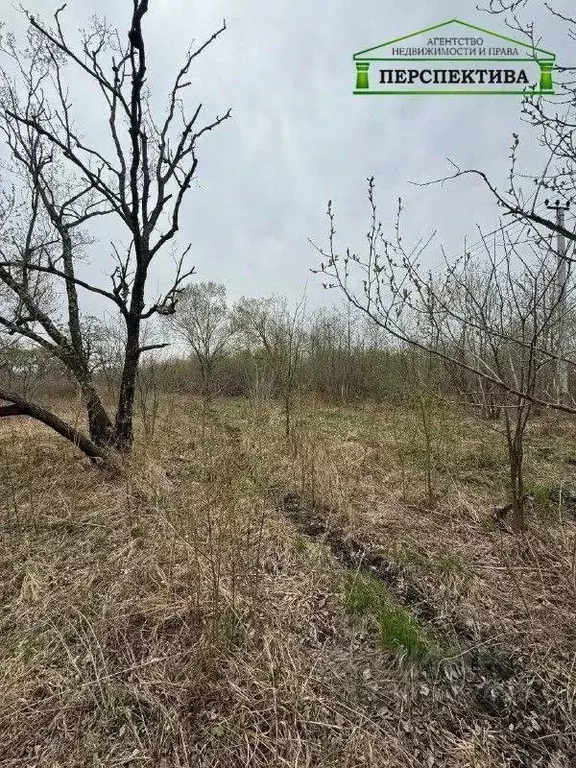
(238, 599)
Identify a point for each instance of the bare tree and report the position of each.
(493, 317)
(29, 370)
(497, 312)
(57, 185)
(202, 321)
(554, 124)
(275, 332)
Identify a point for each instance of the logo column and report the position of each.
(362, 75)
(546, 68)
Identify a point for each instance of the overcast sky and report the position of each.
(298, 136)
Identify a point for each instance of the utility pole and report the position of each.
(561, 277)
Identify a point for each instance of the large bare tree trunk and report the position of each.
(123, 427)
(19, 406)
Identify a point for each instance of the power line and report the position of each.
(481, 244)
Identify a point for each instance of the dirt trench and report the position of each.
(484, 684)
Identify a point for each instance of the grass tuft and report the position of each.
(399, 631)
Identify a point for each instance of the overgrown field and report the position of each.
(341, 597)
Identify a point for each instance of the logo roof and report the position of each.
(535, 53)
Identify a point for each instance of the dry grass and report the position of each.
(178, 618)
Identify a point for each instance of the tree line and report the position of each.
(496, 320)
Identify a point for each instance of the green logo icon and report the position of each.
(454, 58)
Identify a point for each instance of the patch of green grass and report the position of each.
(300, 543)
(407, 555)
(542, 493)
(478, 463)
(546, 451)
(314, 551)
(413, 452)
(488, 524)
(549, 499)
(446, 566)
(398, 630)
(231, 628)
(452, 565)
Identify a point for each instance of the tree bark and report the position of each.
(123, 426)
(19, 406)
(100, 426)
